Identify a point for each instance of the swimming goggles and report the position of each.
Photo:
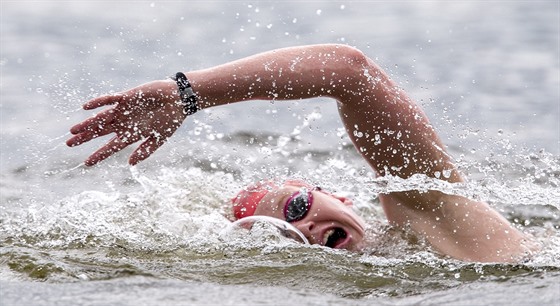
(298, 205)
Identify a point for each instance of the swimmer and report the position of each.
(386, 126)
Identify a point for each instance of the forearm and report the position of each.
(283, 74)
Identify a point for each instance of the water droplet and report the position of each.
(377, 139)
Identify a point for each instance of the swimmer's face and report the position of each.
(323, 218)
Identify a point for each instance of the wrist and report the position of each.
(188, 98)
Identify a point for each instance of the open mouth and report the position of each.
(334, 237)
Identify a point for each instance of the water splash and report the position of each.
(285, 228)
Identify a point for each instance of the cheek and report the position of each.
(327, 214)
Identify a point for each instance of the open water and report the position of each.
(487, 73)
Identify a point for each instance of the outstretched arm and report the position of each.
(386, 126)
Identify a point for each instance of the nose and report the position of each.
(306, 228)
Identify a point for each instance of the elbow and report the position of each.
(354, 61)
(352, 55)
(357, 74)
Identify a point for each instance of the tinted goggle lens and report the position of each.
(298, 205)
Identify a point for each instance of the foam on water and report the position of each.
(177, 209)
(180, 208)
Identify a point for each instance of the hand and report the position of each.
(149, 112)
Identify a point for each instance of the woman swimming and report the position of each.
(387, 128)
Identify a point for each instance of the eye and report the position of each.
(297, 206)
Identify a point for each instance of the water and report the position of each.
(487, 76)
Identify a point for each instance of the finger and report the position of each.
(97, 122)
(87, 136)
(102, 101)
(146, 149)
(113, 146)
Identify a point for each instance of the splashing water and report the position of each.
(285, 228)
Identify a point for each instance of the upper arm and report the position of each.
(456, 226)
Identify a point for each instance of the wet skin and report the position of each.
(330, 221)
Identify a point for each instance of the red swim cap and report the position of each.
(246, 201)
